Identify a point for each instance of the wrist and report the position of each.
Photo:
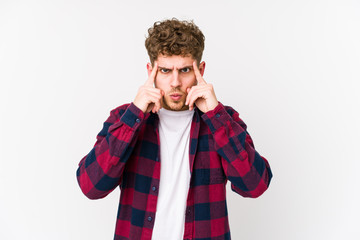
(139, 106)
(212, 105)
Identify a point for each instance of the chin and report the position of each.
(176, 106)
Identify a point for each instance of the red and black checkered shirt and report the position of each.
(127, 154)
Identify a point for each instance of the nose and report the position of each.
(175, 81)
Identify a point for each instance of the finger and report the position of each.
(157, 101)
(198, 76)
(154, 97)
(190, 98)
(153, 90)
(195, 96)
(162, 99)
(154, 109)
(150, 107)
(157, 106)
(190, 92)
(152, 76)
(188, 95)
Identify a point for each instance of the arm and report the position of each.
(100, 171)
(248, 172)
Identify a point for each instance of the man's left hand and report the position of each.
(202, 95)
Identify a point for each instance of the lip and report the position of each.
(175, 96)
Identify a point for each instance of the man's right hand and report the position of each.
(148, 97)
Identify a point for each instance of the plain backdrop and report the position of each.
(290, 68)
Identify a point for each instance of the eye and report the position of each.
(185, 70)
(164, 70)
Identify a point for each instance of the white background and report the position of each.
(290, 68)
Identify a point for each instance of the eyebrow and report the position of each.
(191, 67)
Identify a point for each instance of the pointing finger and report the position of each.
(187, 97)
(152, 76)
(198, 76)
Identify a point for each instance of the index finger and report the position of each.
(198, 76)
(152, 75)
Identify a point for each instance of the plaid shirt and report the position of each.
(127, 154)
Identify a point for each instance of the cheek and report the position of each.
(160, 83)
(190, 81)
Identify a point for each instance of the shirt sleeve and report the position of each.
(100, 171)
(248, 172)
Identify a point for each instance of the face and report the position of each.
(175, 74)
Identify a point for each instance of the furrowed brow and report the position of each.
(190, 66)
(164, 68)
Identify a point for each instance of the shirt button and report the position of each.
(149, 219)
(217, 115)
(137, 120)
(154, 188)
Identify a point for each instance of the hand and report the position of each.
(202, 94)
(148, 97)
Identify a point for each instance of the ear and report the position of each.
(149, 68)
(202, 68)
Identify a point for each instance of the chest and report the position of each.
(204, 161)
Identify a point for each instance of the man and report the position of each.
(172, 150)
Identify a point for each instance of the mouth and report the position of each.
(176, 96)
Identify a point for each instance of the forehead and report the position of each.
(174, 61)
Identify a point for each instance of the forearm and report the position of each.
(101, 170)
(249, 173)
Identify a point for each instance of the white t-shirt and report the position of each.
(174, 130)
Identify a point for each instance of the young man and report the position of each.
(172, 150)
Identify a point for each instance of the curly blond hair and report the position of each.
(174, 37)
